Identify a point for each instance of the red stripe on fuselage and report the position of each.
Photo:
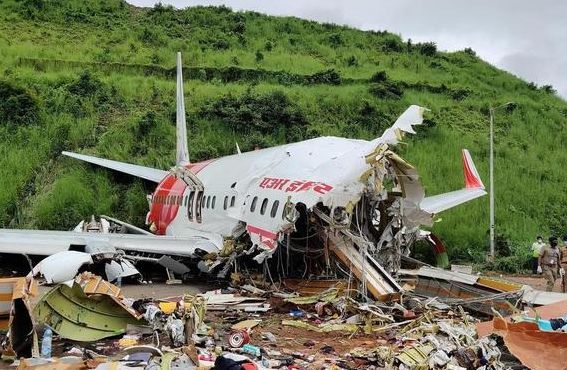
(166, 201)
(164, 211)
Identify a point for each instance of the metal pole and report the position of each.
(491, 195)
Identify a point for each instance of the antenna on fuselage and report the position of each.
(181, 126)
(237, 148)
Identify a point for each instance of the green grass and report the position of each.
(127, 115)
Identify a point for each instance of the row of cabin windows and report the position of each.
(209, 202)
(264, 206)
(169, 199)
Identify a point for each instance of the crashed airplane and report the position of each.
(299, 209)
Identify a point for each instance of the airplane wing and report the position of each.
(45, 243)
(147, 173)
(474, 188)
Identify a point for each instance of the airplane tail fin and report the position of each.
(474, 188)
(472, 178)
(181, 126)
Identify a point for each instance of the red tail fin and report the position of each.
(472, 178)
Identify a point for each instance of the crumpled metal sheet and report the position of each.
(15, 316)
(74, 315)
(62, 266)
(536, 349)
(122, 269)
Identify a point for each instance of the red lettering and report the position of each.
(264, 182)
(306, 186)
(281, 184)
(272, 184)
(322, 188)
(293, 186)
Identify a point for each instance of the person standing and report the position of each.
(563, 250)
(549, 260)
(536, 249)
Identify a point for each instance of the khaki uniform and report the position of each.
(563, 265)
(549, 260)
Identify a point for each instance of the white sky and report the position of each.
(525, 37)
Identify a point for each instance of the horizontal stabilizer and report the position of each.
(148, 173)
(474, 188)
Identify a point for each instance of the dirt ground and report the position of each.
(535, 281)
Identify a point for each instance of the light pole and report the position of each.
(491, 167)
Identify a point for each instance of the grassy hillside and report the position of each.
(97, 77)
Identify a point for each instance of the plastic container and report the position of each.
(251, 350)
(46, 343)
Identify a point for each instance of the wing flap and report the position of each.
(148, 173)
(45, 243)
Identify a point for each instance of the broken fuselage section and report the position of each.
(299, 209)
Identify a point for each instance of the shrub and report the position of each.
(250, 112)
(259, 56)
(379, 76)
(427, 48)
(470, 52)
(329, 76)
(17, 105)
(391, 44)
(352, 61)
(386, 90)
(86, 85)
(335, 40)
(548, 89)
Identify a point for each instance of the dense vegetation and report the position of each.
(97, 77)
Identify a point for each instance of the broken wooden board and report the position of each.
(379, 283)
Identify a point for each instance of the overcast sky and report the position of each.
(525, 37)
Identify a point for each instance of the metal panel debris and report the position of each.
(74, 315)
(15, 317)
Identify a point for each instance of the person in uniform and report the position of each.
(563, 250)
(549, 260)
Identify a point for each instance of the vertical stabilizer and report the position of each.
(182, 151)
(472, 178)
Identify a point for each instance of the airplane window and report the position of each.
(185, 201)
(274, 208)
(214, 201)
(190, 206)
(198, 206)
(253, 205)
(232, 200)
(264, 206)
(225, 203)
(208, 201)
